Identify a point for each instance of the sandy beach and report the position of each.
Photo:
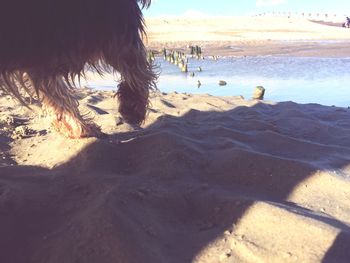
(205, 179)
(250, 36)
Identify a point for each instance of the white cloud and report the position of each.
(262, 3)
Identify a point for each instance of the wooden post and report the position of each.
(259, 93)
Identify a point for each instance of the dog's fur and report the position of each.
(46, 44)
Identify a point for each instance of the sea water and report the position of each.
(300, 79)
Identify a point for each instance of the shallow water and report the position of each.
(301, 79)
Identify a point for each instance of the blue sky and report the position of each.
(244, 7)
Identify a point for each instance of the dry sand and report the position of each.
(206, 179)
(250, 36)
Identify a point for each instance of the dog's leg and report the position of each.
(137, 79)
(59, 102)
(62, 106)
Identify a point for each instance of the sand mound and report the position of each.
(206, 180)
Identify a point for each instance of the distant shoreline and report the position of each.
(298, 48)
(326, 23)
(251, 36)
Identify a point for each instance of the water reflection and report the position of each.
(304, 80)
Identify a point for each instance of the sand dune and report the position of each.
(206, 179)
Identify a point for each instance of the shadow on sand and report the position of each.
(166, 192)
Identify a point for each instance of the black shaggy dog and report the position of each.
(46, 44)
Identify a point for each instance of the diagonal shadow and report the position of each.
(339, 252)
(170, 190)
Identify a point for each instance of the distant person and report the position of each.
(347, 22)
